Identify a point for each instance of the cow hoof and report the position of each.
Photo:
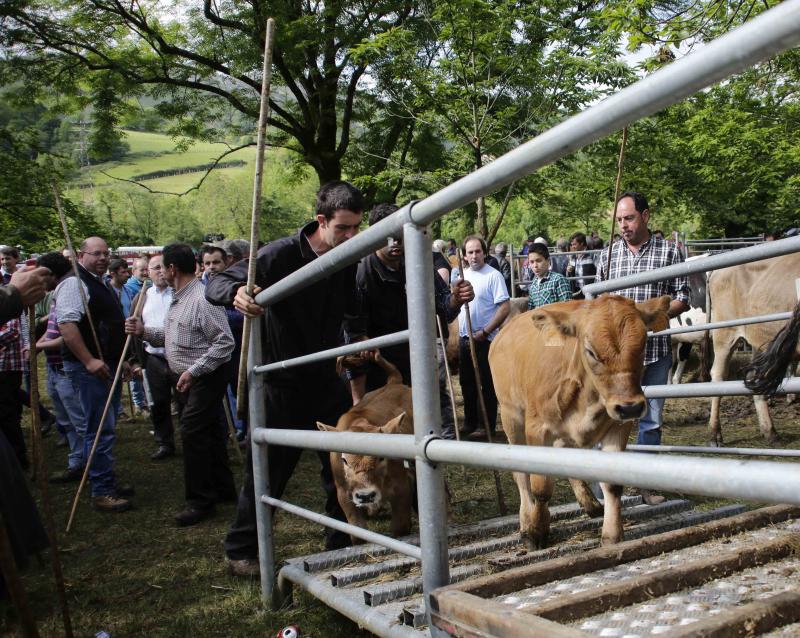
(593, 510)
(534, 541)
(773, 439)
(610, 540)
(715, 442)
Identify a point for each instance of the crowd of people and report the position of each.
(185, 310)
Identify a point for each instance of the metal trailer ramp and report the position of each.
(381, 590)
(736, 576)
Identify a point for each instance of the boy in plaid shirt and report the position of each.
(546, 287)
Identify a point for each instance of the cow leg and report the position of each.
(673, 377)
(401, 512)
(765, 420)
(614, 440)
(586, 498)
(536, 533)
(723, 341)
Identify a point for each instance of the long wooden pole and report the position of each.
(120, 365)
(501, 501)
(41, 474)
(263, 117)
(450, 389)
(226, 406)
(620, 162)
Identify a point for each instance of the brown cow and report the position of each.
(569, 375)
(761, 287)
(365, 483)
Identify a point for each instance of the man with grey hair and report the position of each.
(500, 251)
(236, 249)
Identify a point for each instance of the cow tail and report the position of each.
(766, 371)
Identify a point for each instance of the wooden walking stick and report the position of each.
(620, 162)
(501, 501)
(266, 80)
(136, 313)
(41, 473)
(16, 590)
(226, 406)
(450, 391)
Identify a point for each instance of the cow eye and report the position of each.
(591, 354)
(344, 460)
(381, 460)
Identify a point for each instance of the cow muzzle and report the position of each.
(366, 497)
(627, 410)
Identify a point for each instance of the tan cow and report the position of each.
(758, 288)
(365, 483)
(569, 375)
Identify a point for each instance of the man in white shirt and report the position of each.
(157, 300)
(487, 311)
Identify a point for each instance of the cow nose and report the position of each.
(365, 497)
(630, 409)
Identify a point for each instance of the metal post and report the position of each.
(513, 262)
(257, 414)
(427, 418)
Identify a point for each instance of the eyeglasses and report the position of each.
(98, 253)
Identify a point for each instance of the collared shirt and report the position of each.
(69, 308)
(548, 289)
(11, 346)
(195, 333)
(156, 306)
(654, 253)
(53, 355)
(585, 269)
(125, 296)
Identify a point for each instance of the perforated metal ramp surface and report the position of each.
(381, 590)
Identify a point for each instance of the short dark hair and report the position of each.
(484, 248)
(56, 262)
(539, 249)
(11, 251)
(115, 264)
(381, 211)
(579, 237)
(338, 195)
(210, 248)
(181, 256)
(639, 200)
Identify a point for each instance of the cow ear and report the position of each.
(393, 426)
(325, 428)
(561, 320)
(654, 312)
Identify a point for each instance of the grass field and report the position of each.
(150, 152)
(136, 574)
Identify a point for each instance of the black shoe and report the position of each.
(162, 452)
(466, 431)
(46, 425)
(192, 516)
(70, 475)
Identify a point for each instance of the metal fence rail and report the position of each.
(716, 325)
(773, 31)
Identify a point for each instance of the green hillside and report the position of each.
(151, 152)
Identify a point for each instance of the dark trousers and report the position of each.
(206, 471)
(469, 389)
(11, 414)
(287, 408)
(158, 379)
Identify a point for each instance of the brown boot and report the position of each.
(109, 503)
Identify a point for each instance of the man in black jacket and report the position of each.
(304, 322)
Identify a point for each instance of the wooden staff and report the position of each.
(620, 162)
(266, 79)
(41, 473)
(74, 261)
(450, 390)
(226, 405)
(136, 313)
(501, 501)
(16, 589)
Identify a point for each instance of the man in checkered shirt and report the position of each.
(639, 251)
(198, 344)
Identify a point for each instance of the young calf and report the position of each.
(365, 483)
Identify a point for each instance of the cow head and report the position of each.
(608, 336)
(364, 476)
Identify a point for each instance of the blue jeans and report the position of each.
(69, 412)
(93, 394)
(655, 373)
(137, 393)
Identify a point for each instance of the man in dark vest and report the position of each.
(92, 371)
